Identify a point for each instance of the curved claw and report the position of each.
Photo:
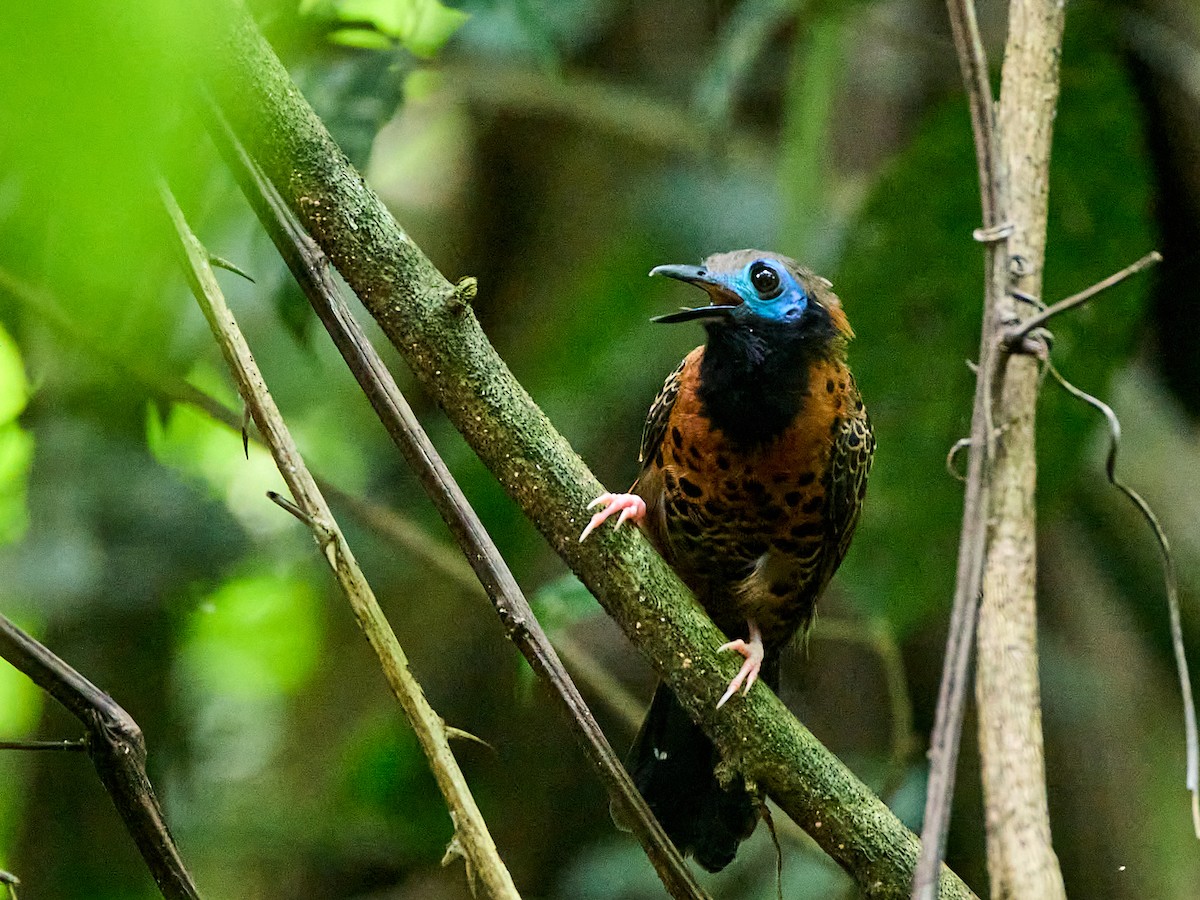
(631, 506)
(748, 674)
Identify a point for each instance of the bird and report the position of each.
(754, 464)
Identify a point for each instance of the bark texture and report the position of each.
(1021, 859)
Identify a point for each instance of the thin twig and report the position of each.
(960, 445)
(471, 837)
(956, 668)
(10, 882)
(73, 746)
(310, 268)
(118, 751)
(291, 508)
(1170, 580)
(973, 64)
(1018, 333)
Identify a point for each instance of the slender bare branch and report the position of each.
(75, 746)
(956, 670)
(1018, 333)
(973, 64)
(118, 752)
(471, 837)
(1021, 858)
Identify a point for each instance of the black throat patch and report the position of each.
(754, 375)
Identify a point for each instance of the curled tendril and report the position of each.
(1170, 578)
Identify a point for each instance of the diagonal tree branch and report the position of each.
(311, 270)
(118, 751)
(472, 840)
(431, 323)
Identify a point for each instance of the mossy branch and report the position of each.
(430, 322)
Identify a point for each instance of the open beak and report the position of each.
(699, 277)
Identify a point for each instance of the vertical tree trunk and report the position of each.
(1021, 860)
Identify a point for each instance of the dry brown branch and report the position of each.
(947, 725)
(471, 841)
(1021, 858)
(118, 751)
(1013, 151)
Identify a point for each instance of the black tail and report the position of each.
(673, 764)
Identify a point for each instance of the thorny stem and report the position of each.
(311, 270)
(472, 840)
(118, 751)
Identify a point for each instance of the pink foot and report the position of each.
(631, 506)
(753, 651)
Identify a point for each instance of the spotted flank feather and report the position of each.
(660, 411)
(849, 466)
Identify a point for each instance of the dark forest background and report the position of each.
(557, 150)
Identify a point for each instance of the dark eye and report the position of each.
(765, 279)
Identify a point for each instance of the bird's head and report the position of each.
(748, 287)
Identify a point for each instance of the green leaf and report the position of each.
(16, 445)
(14, 388)
(254, 636)
(363, 38)
(421, 26)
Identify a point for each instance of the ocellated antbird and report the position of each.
(755, 458)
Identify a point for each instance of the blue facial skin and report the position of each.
(785, 304)
(761, 290)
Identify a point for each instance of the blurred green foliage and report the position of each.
(420, 26)
(16, 444)
(254, 637)
(537, 145)
(911, 280)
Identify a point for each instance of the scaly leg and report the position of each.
(631, 506)
(754, 653)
